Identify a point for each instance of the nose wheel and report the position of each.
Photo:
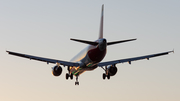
(76, 83)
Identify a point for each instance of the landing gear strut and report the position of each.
(69, 75)
(76, 83)
(106, 74)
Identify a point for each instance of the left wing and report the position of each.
(65, 63)
(132, 59)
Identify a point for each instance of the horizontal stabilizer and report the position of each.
(115, 42)
(84, 41)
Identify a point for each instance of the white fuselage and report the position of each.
(89, 57)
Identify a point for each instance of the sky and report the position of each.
(44, 27)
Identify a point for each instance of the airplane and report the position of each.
(89, 58)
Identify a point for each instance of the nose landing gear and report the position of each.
(76, 83)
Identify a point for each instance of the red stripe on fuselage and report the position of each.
(96, 55)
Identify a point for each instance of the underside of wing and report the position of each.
(47, 60)
(132, 59)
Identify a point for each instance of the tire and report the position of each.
(67, 76)
(104, 76)
(108, 76)
(76, 83)
(71, 76)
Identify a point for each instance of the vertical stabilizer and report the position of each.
(101, 23)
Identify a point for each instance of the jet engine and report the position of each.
(57, 70)
(112, 70)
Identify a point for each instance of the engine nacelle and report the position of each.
(112, 70)
(56, 71)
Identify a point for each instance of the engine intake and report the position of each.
(56, 71)
(112, 70)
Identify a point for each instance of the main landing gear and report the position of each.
(69, 76)
(106, 74)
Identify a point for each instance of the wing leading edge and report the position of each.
(65, 63)
(132, 59)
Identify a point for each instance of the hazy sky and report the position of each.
(44, 27)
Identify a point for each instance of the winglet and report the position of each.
(101, 23)
(171, 51)
(7, 51)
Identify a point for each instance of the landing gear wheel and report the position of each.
(104, 76)
(108, 76)
(67, 76)
(76, 83)
(71, 76)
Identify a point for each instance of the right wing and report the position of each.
(47, 60)
(132, 59)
